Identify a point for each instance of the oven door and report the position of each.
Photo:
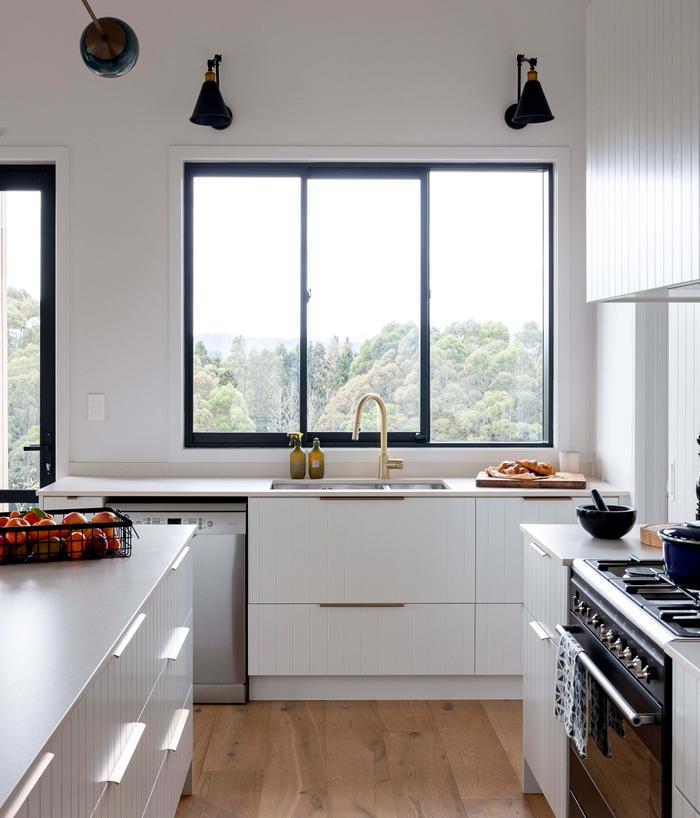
(629, 783)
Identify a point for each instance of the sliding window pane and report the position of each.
(364, 262)
(488, 277)
(246, 273)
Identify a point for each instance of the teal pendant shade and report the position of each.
(109, 47)
(210, 108)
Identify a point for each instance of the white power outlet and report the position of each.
(96, 407)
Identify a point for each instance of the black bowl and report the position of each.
(607, 525)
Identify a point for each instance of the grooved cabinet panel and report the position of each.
(499, 557)
(311, 550)
(308, 640)
(643, 103)
(499, 639)
(545, 588)
(686, 733)
(681, 807)
(544, 740)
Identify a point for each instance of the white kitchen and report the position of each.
(349, 409)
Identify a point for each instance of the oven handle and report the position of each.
(633, 717)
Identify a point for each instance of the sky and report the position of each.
(486, 253)
(23, 223)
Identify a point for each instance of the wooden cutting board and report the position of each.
(561, 480)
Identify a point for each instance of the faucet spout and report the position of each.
(385, 462)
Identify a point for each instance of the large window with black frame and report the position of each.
(307, 286)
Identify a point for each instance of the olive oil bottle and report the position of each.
(317, 461)
(297, 457)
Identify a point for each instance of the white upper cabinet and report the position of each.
(643, 190)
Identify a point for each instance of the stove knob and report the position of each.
(593, 621)
(610, 637)
(616, 646)
(641, 671)
(580, 606)
(626, 656)
(603, 629)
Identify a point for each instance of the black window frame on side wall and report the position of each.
(42, 178)
(310, 170)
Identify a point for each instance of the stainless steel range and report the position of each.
(622, 613)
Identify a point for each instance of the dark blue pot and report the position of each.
(682, 555)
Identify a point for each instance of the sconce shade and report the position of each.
(533, 106)
(210, 108)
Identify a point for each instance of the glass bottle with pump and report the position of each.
(297, 457)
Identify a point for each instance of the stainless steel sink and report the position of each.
(417, 485)
(327, 485)
(358, 485)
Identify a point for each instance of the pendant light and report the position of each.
(210, 108)
(532, 105)
(109, 47)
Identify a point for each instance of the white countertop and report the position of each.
(260, 487)
(60, 622)
(570, 542)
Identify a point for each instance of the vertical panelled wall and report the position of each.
(683, 409)
(643, 92)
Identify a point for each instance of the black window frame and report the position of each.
(41, 177)
(359, 170)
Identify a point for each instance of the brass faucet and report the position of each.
(385, 462)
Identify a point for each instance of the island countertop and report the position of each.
(60, 623)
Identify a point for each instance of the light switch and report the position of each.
(96, 407)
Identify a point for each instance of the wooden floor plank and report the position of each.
(478, 760)
(229, 794)
(294, 781)
(359, 785)
(240, 739)
(359, 760)
(509, 808)
(205, 716)
(506, 718)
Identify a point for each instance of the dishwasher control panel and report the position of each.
(225, 523)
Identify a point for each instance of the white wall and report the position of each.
(308, 73)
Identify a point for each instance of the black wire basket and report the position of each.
(57, 541)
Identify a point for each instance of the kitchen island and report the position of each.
(89, 650)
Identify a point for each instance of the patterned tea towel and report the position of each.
(605, 716)
(571, 694)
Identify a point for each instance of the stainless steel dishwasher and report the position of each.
(219, 614)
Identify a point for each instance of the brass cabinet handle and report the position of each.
(547, 497)
(361, 604)
(346, 497)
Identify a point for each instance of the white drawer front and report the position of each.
(545, 586)
(498, 639)
(686, 728)
(311, 550)
(303, 640)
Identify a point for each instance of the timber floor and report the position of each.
(387, 759)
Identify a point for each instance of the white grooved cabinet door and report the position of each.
(311, 640)
(686, 728)
(643, 208)
(333, 550)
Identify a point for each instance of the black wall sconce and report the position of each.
(210, 108)
(109, 47)
(532, 105)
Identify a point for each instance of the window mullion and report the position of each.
(304, 305)
(424, 433)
